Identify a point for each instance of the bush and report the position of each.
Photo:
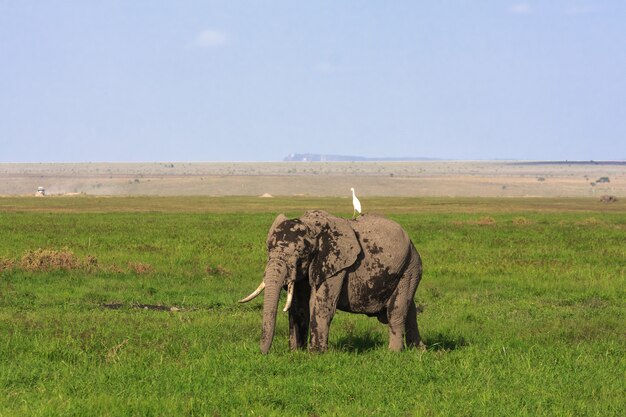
(140, 268)
(521, 221)
(6, 264)
(486, 221)
(49, 260)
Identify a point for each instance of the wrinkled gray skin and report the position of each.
(368, 265)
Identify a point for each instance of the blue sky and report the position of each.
(235, 80)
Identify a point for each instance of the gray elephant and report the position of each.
(367, 265)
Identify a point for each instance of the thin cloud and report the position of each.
(579, 10)
(520, 8)
(210, 38)
(328, 68)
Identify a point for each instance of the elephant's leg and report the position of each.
(396, 315)
(401, 311)
(323, 307)
(299, 317)
(413, 339)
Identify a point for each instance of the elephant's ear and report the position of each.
(337, 245)
(270, 235)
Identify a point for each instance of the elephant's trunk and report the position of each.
(274, 279)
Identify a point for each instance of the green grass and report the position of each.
(524, 312)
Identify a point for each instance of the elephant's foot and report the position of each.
(418, 346)
(413, 339)
(396, 338)
(319, 335)
(396, 345)
(318, 349)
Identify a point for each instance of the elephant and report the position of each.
(366, 265)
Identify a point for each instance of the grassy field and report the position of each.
(127, 306)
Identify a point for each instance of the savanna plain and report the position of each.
(120, 306)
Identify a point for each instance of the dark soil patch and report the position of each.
(113, 306)
(152, 307)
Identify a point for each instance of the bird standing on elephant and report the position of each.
(368, 266)
(356, 204)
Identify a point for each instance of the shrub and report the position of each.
(486, 221)
(91, 263)
(49, 260)
(140, 268)
(6, 264)
(521, 221)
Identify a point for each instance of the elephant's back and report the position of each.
(384, 231)
(385, 252)
(383, 239)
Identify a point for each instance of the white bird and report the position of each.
(356, 203)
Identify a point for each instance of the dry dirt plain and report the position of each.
(424, 178)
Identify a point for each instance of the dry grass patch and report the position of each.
(46, 260)
(522, 221)
(140, 268)
(218, 270)
(6, 264)
(483, 221)
(50, 260)
(486, 221)
(591, 221)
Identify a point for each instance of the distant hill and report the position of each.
(316, 157)
(616, 162)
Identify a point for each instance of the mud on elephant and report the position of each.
(368, 265)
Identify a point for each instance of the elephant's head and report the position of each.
(302, 251)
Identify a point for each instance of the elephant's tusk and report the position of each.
(254, 294)
(289, 296)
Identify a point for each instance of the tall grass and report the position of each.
(523, 311)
